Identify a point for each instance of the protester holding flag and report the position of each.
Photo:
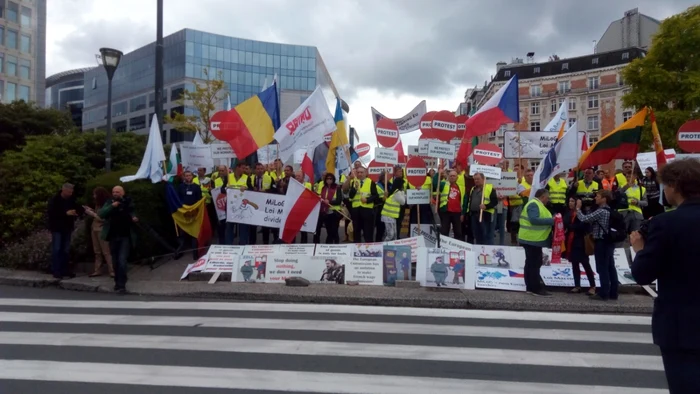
(329, 215)
(190, 194)
(118, 216)
(363, 194)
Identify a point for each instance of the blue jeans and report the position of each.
(243, 231)
(605, 266)
(500, 225)
(482, 231)
(60, 248)
(119, 247)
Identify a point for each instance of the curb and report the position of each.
(28, 282)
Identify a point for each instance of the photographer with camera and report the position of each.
(667, 253)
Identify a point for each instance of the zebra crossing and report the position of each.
(115, 346)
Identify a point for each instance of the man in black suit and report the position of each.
(667, 252)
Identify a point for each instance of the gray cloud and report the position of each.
(425, 48)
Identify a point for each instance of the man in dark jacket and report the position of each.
(62, 212)
(667, 253)
(118, 216)
(189, 194)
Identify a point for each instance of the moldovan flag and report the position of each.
(192, 219)
(658, 146)
(301, 205)
(621, 143)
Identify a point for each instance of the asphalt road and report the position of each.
(54, 341)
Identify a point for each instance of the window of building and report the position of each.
(2, 65)
(572, 104)
(137, 104)
(536, 70)
(177, 110)
(119, 109)
(506, 73)
(593, 83)
(625, 55)
(2, 35)
(2, 91)
(176, 92)
(26, 17)
(94, 83)
(535, 90)
(564, 66)
(120, 126)
(11, 39)
(553, 105)
(23, 93)
(592, 140)
(626, 115)
(535, 108)
(25, 44)
(594, 60)
(561, 101)
(138, 122)
(12, 12)
(2, 14)
(620, 80)
(593, 122)
(11, 65)
(592, 102)
(25, 68)
(11, 92)
(571, 122)
(535, 126)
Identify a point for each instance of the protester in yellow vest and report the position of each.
(260, 181)
(238, 180)
(204, 183)
(622, 179)
(453, 205)
(481, 207)
(363, 193)
(636, 200)
(535, 229)
(557, 194)
(586, 189)
(331, 206)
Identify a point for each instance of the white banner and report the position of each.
(258, 209)
(386, 156)
(222, 151)
(196, 156)
(267, 154)
(311, 268)
(507, 185)
(417, 196)
(488, 171)
(531, 145)
(306, 126)
(441, 150)
(407, 123)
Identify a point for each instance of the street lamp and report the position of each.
(110, 61)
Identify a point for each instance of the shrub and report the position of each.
(31, 253)
(151, 209)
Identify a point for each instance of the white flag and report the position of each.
(561, 157)
(306, 126)
(197, 139)
(407, 123)
(152, 163)
(559, 119)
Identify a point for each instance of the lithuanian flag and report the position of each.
(621, 143)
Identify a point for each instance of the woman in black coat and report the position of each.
(575, 252)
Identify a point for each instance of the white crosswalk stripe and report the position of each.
(212, 347)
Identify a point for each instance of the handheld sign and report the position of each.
(387, 133)
(426, 124)
(689, 136)
(444, 126)
(374, 170)
(362, 149)
(416, 172)
(461, 125)
(488, 154)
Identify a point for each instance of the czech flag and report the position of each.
(514, 274)
(251, 124)
(192, 219)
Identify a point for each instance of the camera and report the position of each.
(644, 229)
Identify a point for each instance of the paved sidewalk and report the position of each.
(164, 281)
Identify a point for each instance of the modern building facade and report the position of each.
(244, 65)
(64, 92)
(592, 84)
(22, 50)
(633, 30)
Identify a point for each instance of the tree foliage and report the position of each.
(19, 120)
(668, 77)
(204, 98)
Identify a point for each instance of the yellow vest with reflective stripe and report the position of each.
(205, 189)
(581, 189)
(557, 191)
(444, 194)
(266, 182)
(621, 180)
(218, 183)
(637, 194)
(237, 183)
(364, 190)
(488, 188)
(516, 200)
(391, 207)
(531, 232)
(319, 187)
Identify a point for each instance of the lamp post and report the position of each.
(110, 61)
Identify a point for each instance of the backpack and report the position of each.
(617, 232)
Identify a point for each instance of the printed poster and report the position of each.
(397, 264)
(366, 265)
(312, 268)
(246, 271)
(443, 268)
(222, 258)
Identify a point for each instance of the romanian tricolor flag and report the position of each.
(658, 146)
(251, 124)
(192, 219)
(339, 139)
(621, 143)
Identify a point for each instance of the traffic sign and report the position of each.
(461, 125)
(426, 124)
(689, 136)
(416, 172)
(488, 154)
(387, 133)
(444, 126)
(362, 149)
(374, 170)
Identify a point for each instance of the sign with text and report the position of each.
(441, 150)
(531, 144)
(362, 149)
(689, 136)
(488, 171)
(507, 185)
(487, 154)
(281, 267)
(259, 209)
(267, 154)
(444, 126)
(416, 171)
(406, 123)
(375, 169)
(196, 156)
(426, 124)
(387, 132)
(417, 196)
(386, 156)
(222, 151)
(222, 258)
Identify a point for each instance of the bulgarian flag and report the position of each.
(174, 163)
(621, 143)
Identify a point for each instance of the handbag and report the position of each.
(400, 197)
(589, 244)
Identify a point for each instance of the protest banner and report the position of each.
(488, 171)
(417, 196)
(532, 144)
(440, 150)
(406, 123)
(312, 268)
(222, 258)
(366, 266)
(260, 209)
(222, 151)
(507, 185)
(196, 156)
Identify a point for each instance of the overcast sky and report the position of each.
(389, 54)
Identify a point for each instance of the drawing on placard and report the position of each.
(496, 257)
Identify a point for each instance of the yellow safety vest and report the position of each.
(516, 200)
(237, 183)
(308, 185)
(621, 180)
(637, 194)
(581, 189)
(488, 188)
(531, 232)
(391, 207)
(266, 182)
(319, 187)
(557, 191)
(444, 194)
(460, 180)
(366, 190)
(205, 189)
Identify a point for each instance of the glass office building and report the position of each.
(244, 65)
(22, 50)
(64, 91)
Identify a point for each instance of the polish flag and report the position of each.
(301, 205)
(307, 167)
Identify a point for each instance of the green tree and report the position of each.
(20, 119)
(668, 77)
(204, 99)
